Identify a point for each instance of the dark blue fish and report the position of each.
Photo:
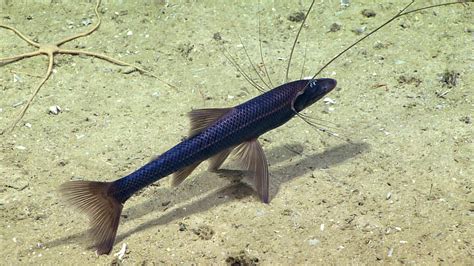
(215, 133)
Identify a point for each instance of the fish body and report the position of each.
(234, 126)
(215, 133)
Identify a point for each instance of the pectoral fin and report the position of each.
(203, 118)
(250, 153)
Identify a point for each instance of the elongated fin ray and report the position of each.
(401, 13)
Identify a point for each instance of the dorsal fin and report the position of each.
(203, 118)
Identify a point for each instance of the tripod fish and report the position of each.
(214, 134)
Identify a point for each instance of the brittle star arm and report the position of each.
(21, 35)
(33, 95)
(114, 61)
(11, 59)
(83, 34)
(103, 57)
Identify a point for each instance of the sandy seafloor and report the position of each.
(399, 192)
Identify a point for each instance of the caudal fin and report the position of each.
(103, 209)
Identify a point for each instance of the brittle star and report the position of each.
(51, 49)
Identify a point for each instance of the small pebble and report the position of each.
(390, 252)
(359, 30)
(54, 110)
(16, 78)
(379, 45)
(328, 110)
(368, 13)
(28, 125)
(335, 27)
(389, 195)
(129, 33)
(86, 21)
(296, 16)
(329, 101)
(217, 36)
(121, 252)
(465, 119)
(75, 177)
(15, 105)
(182, 227)
(314, 242)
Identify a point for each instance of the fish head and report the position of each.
(313, 90)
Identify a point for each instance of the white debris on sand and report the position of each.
(54, 109)
(121, 252)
